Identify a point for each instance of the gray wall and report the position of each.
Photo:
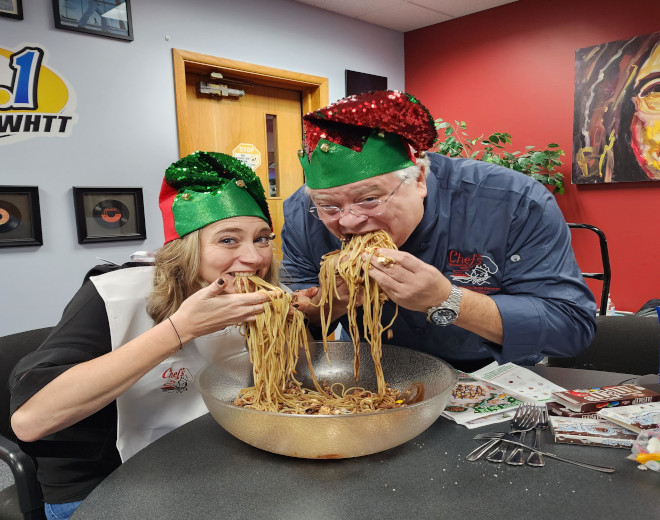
(126, 131)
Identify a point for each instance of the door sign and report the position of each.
(248, 154)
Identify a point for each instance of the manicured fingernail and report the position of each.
(221, 281)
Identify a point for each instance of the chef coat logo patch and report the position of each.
(475, 269)
(176, 380)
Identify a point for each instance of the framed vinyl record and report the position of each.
(20, 218)
(109, 214)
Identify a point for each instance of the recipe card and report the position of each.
(518, 381)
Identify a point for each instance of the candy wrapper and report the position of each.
(646, 450)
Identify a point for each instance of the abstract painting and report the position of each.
(616, 120)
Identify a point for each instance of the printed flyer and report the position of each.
(474, 403)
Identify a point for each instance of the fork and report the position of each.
(523, 424)
(516, 457)
(535, 458)
(520, 421)
(512, 439)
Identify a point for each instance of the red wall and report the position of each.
(511, 69)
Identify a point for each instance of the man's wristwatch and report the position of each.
(447, 312)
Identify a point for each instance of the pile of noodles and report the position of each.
(352, 268)
(275, 336)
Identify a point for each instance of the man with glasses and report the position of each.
(484, 270)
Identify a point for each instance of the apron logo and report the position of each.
(475, 269)
(34, 100)
(176, 380)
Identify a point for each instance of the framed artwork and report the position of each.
(109, 214)
(109, 18)
(20, 218)
(616, 111)
(11, 9)
(359, 82)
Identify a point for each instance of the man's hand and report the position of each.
(408, 281)
(417, 286)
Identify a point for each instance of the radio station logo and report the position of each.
(35, 101)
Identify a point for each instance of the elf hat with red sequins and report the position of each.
(364, 135)
(205, 187)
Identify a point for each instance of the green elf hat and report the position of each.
(205, 187)
(364, 135)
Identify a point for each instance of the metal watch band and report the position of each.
(447, 312)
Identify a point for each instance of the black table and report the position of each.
(199, 471)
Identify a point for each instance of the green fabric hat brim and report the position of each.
(195, 209)
(339, 165)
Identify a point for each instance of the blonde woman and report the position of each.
(116, 373)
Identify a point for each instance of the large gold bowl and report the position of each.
(332, 436)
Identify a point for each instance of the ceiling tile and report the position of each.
(352, 8)
(456, 9)
(404, 17)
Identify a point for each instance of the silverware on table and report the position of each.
(516, 457)
(521, 421)
(512, 439)
(525, 423)
(536, 458)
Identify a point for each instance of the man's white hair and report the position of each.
(409, 175)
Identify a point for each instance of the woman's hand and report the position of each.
(215, 307)
(303, 300)
(308, 302)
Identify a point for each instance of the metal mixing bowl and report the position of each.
(332, 436)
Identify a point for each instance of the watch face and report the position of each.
(443, 316)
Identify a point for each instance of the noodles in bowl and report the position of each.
(276, 336)
(274, 340)
(323, 404)
(332, 436)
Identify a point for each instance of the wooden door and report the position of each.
(264, 123)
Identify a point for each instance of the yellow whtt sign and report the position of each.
(248, 154)
(35, 101)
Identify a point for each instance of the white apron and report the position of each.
(165, 397)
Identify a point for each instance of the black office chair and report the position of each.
(628, 344)
(606, 275)
(23, 500)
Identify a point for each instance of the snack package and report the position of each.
(646, 450)
(635, 417)
(561, 411)
(591, 399)
(591, 432)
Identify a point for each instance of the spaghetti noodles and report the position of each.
(273, 341)
(352, 268)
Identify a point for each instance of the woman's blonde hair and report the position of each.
(176, 275)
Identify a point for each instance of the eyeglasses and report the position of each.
(366, 208)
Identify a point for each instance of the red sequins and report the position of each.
(350, 121)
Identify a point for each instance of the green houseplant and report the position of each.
(453, 141)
